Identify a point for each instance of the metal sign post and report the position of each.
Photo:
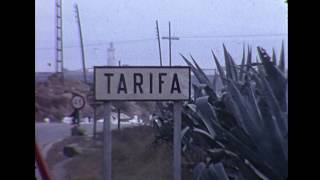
(119, 118)
(94, 121)
(78, 102)
(107, 142)
(177, 108)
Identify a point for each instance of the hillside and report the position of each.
(52, 100)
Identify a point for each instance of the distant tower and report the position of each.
(111, 61)
(59, 43)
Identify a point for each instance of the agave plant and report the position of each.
(241, 132)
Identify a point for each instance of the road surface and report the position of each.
(48, 133)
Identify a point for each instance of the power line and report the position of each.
(181, 37)
(102, 43)
(232, 36)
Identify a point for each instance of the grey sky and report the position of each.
(104, 21)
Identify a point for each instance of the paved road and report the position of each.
(47, 133)
(50, 132)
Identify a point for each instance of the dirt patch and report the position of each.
(134, 157)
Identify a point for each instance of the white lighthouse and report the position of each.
(111, 60)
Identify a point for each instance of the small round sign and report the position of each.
(77, 102)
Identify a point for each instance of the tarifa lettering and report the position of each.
(138, 80)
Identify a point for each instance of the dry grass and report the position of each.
(133, 157)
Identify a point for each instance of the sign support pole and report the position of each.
(94, 121)
(177, 108)
(119, 120)
(107, 142)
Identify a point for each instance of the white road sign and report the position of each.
(77, 102)
(142, 83)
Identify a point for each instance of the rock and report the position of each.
(46, 120)
(71, 150)
(77, 131)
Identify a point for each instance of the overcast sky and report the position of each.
(119, 21)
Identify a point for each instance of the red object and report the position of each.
(44, 171)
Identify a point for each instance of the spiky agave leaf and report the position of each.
(184, 131)
(218, 154)
(254, 105)
(270, 122)
(197, 91)
(274, 57)
(190, 115)
(260, 67)
(274, 107)
(232, 141)
(277, 128)
(249, 57)
(184, 139)
(194, 70)
(242, 114)
(198, 170)
(275, 78)
(254, 100)
(213, 172)
(229, 64)
(201, 72)
(248, 62)
(235, 143)
(243, 61)
(202, 78)
(206, 114)
(282, 59)
(210, 89)
(203, 133)
(220, 69)
(233, 67)
(245, 171)
(218, 171)
(214, 82)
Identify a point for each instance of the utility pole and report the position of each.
(59, 38)
(158, 37)
(81, 42)
(170, 38)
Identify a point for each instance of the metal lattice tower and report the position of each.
(59, 42)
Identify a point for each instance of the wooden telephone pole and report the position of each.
(158, 37)
(81, 42)
(170, 38)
